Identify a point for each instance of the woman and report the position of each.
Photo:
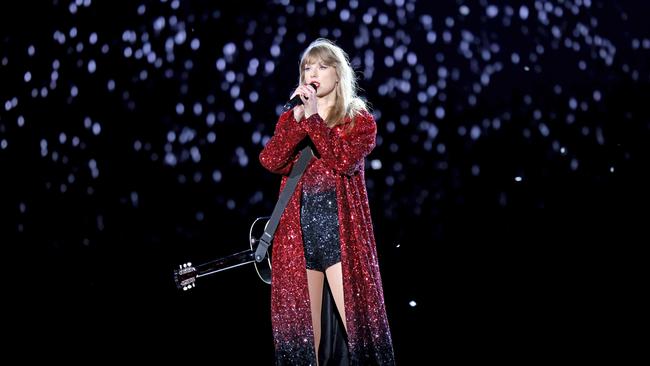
(324, 250)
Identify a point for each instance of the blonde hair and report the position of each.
(347, 103)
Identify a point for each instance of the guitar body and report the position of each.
(187, 274)
(262, 268)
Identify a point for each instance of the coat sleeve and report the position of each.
(343, 153)
(279, 153)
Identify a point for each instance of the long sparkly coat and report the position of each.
(341, 152)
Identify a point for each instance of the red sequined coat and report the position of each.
(342, 151)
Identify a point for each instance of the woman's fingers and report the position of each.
(306, 91)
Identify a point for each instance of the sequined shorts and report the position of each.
(320, 230)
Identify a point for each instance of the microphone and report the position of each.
(296, 100)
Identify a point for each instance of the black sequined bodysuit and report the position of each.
(320, 229)
(319, 217)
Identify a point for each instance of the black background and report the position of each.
(500, 269)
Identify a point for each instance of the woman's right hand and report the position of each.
(299, 110)
(305, 91)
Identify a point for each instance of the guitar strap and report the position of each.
(296, 172)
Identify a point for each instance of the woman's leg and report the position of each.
(335, 280)
(315, 283)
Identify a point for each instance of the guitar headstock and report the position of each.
(185, 276)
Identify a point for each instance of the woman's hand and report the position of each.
(298, 111)
(309, 102)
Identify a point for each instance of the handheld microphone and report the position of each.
(296, 100)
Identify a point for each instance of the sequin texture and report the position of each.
(320, 229)
(342, 151)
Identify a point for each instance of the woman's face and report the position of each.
(322, 75)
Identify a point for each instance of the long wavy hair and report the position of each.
(347, 103)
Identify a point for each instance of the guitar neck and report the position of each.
(225, 263)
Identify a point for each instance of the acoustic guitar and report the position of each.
(188, 274)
